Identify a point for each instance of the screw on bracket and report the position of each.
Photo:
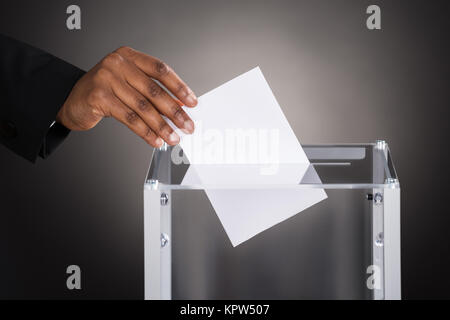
(164, 199)
(391, 181)
(153, 183)
(164, 240)
(379, 240)
(378, 199)
(380, 144)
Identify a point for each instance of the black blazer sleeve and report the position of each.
(33, 87)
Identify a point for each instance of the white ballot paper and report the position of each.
(243, 139)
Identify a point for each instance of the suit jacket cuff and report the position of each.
(55, 136)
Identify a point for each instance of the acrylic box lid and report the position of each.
(332, 166)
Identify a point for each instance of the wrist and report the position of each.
(60, 116)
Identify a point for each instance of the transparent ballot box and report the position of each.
(344, 247)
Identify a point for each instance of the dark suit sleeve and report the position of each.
(33, 87)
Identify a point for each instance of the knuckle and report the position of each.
(103, 74)
(125, 50)
(149, 133)
(177, 111)
(183, 90)
(161, 68)
(163, 127)
(96, 96)
(154, 89)
(143, 104)
(131, 117)
(113, 59)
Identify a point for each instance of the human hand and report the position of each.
(122, 86)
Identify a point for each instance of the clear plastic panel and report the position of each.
(321, 253)
(331, 167)
(328, 251)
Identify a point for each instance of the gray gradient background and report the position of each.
(335, 80)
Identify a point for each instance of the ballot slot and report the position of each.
(349, 164)
(330, 163)
(335, 152)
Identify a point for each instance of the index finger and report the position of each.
(157, 69)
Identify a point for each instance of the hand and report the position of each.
(122, 86)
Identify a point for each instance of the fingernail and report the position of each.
(174, 138)
(189, 126)
(159, 142)
(191, 99)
